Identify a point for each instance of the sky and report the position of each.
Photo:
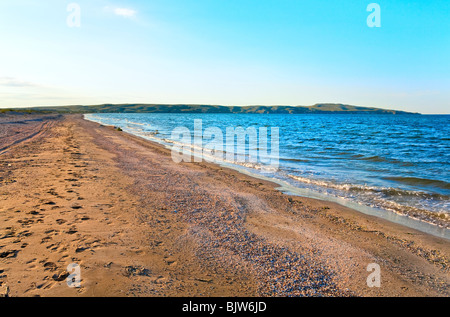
(226, 52)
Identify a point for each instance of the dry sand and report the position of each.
(138, 224)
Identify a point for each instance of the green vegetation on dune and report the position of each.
(180, 108)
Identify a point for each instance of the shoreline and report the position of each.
(427, 227)
(429, 223)
(155, 228)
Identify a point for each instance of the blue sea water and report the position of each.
(391, 162)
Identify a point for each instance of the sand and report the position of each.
(138, 224)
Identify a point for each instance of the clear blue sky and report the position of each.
(230, 52)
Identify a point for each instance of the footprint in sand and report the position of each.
(81, 218)
(63, 258)
(24, 233)
(52, 191)
(81, 249)
(170, 261)
(45, 285)
(60, 221)
(72, 230)
(157, 243)
(53, 247)
(31, 261)
(50, 266)
(46, 239)
(9, 254)
(25, 222)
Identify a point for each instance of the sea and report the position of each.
(392, 166)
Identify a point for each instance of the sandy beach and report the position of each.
(138, 224)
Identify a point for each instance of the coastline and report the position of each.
(367, 195)
(155, 228)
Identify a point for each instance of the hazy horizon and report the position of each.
(231, 53)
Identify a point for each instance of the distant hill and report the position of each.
(180, 108)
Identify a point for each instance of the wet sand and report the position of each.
(138, 224)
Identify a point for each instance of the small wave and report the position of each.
(380, 159)
(136, 123)
(375, 158)
(431, 208)
(295, 160)
(414, 181)
(385, 191)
